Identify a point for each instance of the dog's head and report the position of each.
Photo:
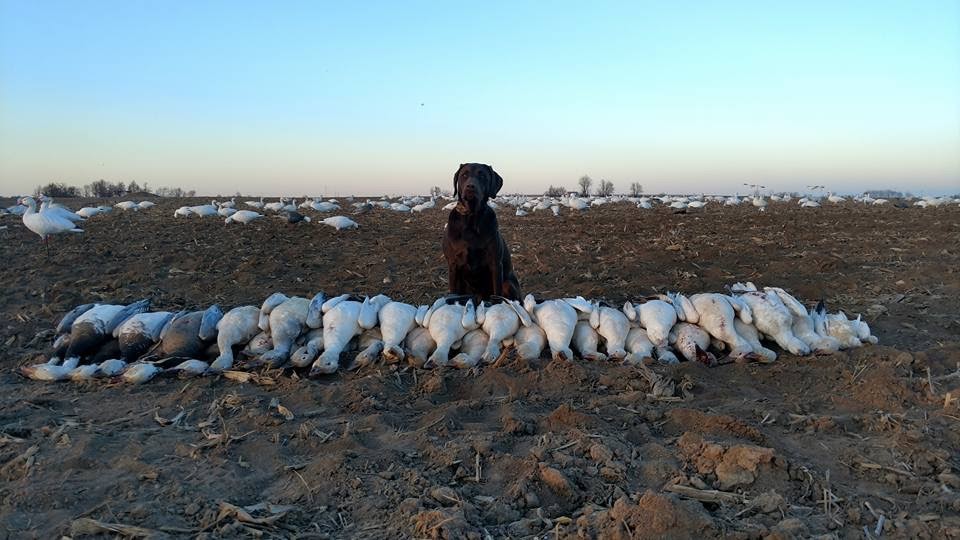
(474, 184)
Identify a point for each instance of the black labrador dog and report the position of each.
(478, 259)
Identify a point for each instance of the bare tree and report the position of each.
(636, 189)
(556, 191)
(605, 189)
(585, 183)
(56, 189)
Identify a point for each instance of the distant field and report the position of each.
(391, 453)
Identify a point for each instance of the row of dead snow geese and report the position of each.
(285, 209)
(135, 344)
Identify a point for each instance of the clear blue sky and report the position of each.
(372, 97)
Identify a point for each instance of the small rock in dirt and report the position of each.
(697, 482)
(445, 496)
(950, 479)
(556, 480)
(191, 509)
(611, 474)
(447, 524)
(501, 513)
(768, 502)
(653, 516)
(600, 453)
(788, 529)
(434, 383)
(524, 527)
(409, 505)
(530, 499)
(740, 463)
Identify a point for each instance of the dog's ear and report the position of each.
(456, 184)
(496, 182)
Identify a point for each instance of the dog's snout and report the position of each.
(470, 185)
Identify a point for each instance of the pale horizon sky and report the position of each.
(293, 98)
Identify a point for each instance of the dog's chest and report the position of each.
(471, 246)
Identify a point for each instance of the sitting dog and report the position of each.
(477, 257)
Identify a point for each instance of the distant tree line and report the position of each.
(604, 189)
(104, 189)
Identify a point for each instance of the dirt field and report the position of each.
(850, 445)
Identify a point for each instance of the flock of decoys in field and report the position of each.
(311, 335)
(52, 218)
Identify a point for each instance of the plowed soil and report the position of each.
(858, 444)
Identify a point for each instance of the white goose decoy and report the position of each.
(183, 211)
(325, 206)
(144, 205)
(47, 206)
(275, 206)
(340, 223)
(205, 210)
(255, 204)
(237, 327)
(127, 205)
(243, 216)
(89, 211)
(45, 224)
(835, 199)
